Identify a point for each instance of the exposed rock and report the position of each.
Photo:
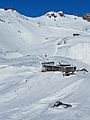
(59, 103)
(55, 14)
(87, 17)
(51, 14)
(61, 14)
(10, 9)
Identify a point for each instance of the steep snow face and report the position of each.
(78, 48)
(26, 93)
(24, 32)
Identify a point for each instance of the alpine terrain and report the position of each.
(27, 93)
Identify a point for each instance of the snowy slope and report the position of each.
(26, 93)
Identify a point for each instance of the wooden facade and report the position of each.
(67, 69)
(50, 68)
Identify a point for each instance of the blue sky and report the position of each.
(38, 7)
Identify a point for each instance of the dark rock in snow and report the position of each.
(87, 17)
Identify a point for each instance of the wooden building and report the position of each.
(67, 69)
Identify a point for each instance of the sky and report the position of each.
(36, 8)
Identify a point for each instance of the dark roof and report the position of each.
(51, 66)
(47, 63)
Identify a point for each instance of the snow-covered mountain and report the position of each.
(26, 93)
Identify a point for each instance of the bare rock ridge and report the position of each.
(62, 14)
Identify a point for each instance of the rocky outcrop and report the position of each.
(10, 9)
(55, 14)
(87, 17)
(61, 14)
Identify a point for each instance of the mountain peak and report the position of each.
(55, 14)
